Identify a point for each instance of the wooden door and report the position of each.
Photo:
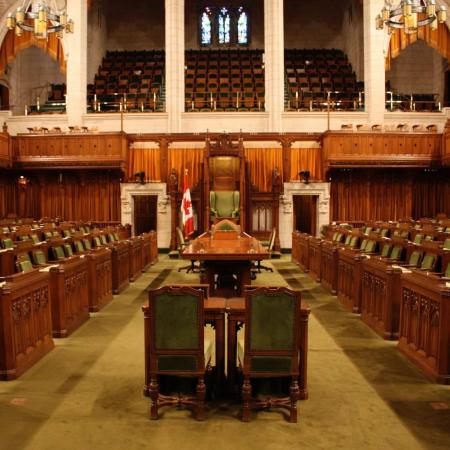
(145, 210)
(305, 213)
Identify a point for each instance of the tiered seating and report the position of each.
(224, 80)
(316, 77)
(396, 275)
(56, 101)
(129, 80)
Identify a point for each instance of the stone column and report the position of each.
(75, 47)
(374, 63)
(174, 63)
(274, 62)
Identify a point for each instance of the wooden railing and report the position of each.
(5, 150)
(84, 150)
(381, 149)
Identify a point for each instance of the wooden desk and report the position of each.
(224, 257)
(235, 307)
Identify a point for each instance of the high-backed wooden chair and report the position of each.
(271, 349)
(175, 345)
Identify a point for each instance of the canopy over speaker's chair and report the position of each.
(271, 348)
(224, 204)
(175, 345)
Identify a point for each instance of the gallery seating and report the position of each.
(320, 78)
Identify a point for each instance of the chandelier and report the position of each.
(40, 18)
(409, 15)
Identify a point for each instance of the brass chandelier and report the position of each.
(409, 15)
(40, 18)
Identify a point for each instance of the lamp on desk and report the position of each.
(305, 175)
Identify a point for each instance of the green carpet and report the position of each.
(87, 393)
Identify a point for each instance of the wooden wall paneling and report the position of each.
(5, 150)
(99, 278)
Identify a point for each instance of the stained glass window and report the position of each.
(242, 26)
(206, 29)
(224, 26)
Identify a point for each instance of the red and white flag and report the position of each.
(186, 208)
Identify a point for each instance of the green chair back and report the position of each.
(35, 238)
(384, 232)
(24, 237)
(354, 241)
(272, 319)
(447, 271)
(111, 237)
(38, 257)
(58, 252)
(48, 234)
(397, 252)
(87, 244)
(418, 239)
(116, 236)
(386, 250)
(414, 259)
(339, 237)
(429, 238)
(79, 246)
(348, 239)
(67, 233)
(97, 242)
(428, 261)
(68, 250)
(103, 239)
(363, 244)
(25, 266)
(447, 244)
(224, 203)
(334, 236)
(7, 243)
(370, 246)
(5, 229)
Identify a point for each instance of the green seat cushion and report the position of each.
(5, 229)
(56, 234)
(428, 262)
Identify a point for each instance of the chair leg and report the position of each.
(201, 392)
(294, 394)
(246, 397)
(154, 394)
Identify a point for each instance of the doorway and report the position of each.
(145, 211)
(305, 213)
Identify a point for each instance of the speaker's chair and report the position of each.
(224, 204)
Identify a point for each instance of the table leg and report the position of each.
(220, 350)
(231, 353)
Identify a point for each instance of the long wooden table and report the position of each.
(226, 257)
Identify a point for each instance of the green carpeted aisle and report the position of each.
(87, 393)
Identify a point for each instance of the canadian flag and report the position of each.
(186, 208)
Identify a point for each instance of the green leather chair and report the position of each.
(7, 243)
(175, 345)
(271, 345)
(224, 204)
(428, 262)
